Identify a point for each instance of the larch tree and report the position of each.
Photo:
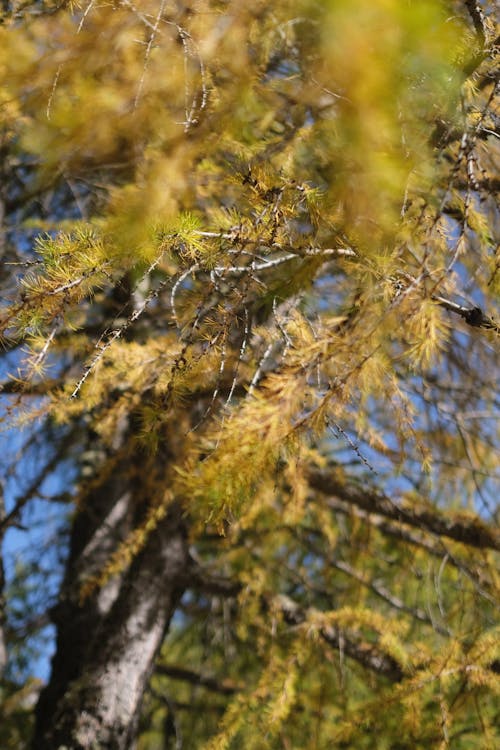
(250, 270)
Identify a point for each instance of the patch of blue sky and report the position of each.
(32, 551)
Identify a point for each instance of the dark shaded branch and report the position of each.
(193, 707)
(473, 316)
(27, 388)
(202, 580)
(362, 652)
(471, 531)
(226, 687)
(478, 20)
(29, 627)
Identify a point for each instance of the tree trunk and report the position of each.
(3, 647)
(106, 646)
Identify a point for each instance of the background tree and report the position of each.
(251, 269)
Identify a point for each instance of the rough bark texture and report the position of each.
(106, 646)
(3, 647)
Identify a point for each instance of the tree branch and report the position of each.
(473, 316)
(200, 579)
(362, 652)
(226, 687)
(28, 388)
(478, 20)
(471, 531)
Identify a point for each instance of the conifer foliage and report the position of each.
(250, 357)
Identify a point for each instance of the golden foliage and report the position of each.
(286, 229)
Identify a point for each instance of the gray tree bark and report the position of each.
(107, 644)
(3, 647)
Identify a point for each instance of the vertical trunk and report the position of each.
(106, 646)
(3, 647)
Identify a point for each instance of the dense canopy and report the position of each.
(249, 381)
